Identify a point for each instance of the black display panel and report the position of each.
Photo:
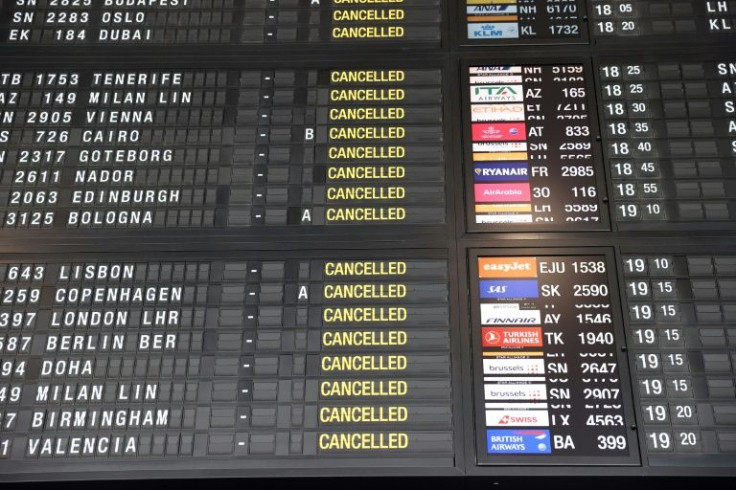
(550, 384)
(697, 21)
(187, 149)
(124, 362)
(680, 312)
(668, 131)
(296, 238)
(488, 22)
(212, 22)
(530, 152)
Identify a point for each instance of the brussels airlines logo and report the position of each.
(496, 93)
(518, 391)
(513, 365)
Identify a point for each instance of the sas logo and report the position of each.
(505, 267)
(518, 442)
(496, 93)
(512, 338)
(509, 289)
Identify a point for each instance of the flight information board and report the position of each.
(221, 148)
(698, 20)
(669, 131)
(327, 238)
(524, 21)
(548, 375)
(680, 324)
(235, 360)
(530, 149)
(171, 22)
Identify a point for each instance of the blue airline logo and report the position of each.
(518, 442)
(508, 289)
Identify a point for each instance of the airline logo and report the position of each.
(497, 112)
(509, 314)
(483, 219)
(493, 30)
(496, 93)
(492, 9)
(517, 418)
(502, 172)
(497, 157)
(506, 267)
(519, 391)
(492, 289)
(502, 148)
(502, 192)
(500, 69)
(518, 442)
(503, 208)
(513, 366)
(512, 338)
(493, 78)
(499, 132)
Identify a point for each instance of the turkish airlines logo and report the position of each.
(491, 339)
(512, 337)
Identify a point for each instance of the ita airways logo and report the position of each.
(483, 132)
(496, 93)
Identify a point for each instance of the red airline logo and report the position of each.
(515, 337)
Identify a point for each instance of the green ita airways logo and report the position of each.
(496, 90)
